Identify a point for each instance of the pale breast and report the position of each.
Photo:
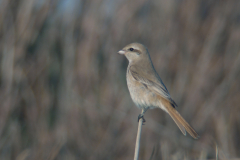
(140, 94)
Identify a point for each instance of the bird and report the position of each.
(147, 89)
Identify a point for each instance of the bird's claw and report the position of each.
(141, 117)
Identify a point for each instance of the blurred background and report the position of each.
(63, 88)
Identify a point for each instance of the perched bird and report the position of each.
(146, 88)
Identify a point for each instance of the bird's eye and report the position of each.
(131, 49)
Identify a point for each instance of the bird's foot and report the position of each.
(141, 117)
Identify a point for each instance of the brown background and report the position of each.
(63, 89)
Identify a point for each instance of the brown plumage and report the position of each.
(179, 120)
(146, 87)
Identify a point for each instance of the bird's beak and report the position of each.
(121, 52)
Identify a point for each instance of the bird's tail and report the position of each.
(181, 123)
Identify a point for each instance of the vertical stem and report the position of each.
(137, 146)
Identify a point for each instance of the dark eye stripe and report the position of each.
(131, 49)
(135, 50)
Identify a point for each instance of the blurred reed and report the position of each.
(63, 90)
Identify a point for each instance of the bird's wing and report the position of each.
(152, 81)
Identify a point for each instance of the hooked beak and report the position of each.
(121, 52)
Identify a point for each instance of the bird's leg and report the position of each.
(142, 114)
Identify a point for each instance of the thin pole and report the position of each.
(137, 146)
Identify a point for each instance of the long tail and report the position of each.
(181, 123)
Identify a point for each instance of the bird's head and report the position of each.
(134, 52)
